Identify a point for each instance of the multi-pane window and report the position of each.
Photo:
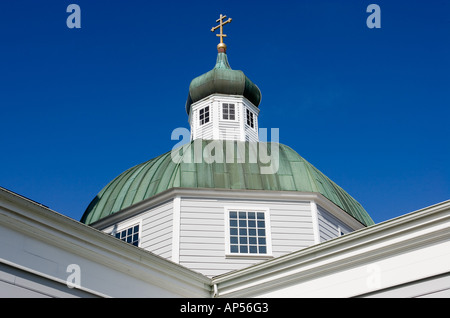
(204, 115)
(247, 232)
(129, 235)
(250, 119)
(228, 111)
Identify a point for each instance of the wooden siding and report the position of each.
(202, 232)
(217, 127)
(251, 134)
(291, 226)
(329, 226)
(156, 235)
(205, 131)
(230, 129)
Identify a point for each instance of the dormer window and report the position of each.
(250, 119)
(204, 115)
(228, 111)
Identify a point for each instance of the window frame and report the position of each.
(268, 236)
(252, 118)
(228, 111)
(127, 225)
(205, 119)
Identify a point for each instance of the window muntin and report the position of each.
(248, 232)
(250, 119)
(204, 115)
(228, 111)
(129, 235)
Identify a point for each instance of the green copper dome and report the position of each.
(162, 173)
(222, 80)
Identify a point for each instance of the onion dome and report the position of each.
(163, 173)
(222, 80)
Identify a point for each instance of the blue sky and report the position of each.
(368, 107)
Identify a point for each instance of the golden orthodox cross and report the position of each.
(221, 24)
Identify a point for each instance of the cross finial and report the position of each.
(221, 47)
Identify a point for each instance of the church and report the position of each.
(226, 214)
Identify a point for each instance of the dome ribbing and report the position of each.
(162, 173)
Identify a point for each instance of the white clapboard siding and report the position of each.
(204, 131)
(251, 134)
(229, 132)
(291, 227)
(329, 226)
(202, 232)
(156, 235)
(230, 129)
(224, 129)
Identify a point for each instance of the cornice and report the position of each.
(262, 195)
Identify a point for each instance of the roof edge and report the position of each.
(171, 193)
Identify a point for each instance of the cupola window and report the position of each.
(228, 111)
(204, 115)
(250, 119)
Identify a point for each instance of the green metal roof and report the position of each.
(162, 173)
(222, 80)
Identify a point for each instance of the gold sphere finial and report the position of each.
(221, 47)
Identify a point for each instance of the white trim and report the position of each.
(215, 111)
(405, 249)
(268, 230)
(168, 195)
(96, 248)
(315, 222)
(48, 277)
(235, 105)
(242, 107)
(176, 229)
(341, 230)
(336, 211)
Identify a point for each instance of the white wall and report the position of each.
(194, 233)
(217, 127)
(156, 225)
(157, 230)
(38, 246)
(329, 226)
(202, 232)
(30, 255)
